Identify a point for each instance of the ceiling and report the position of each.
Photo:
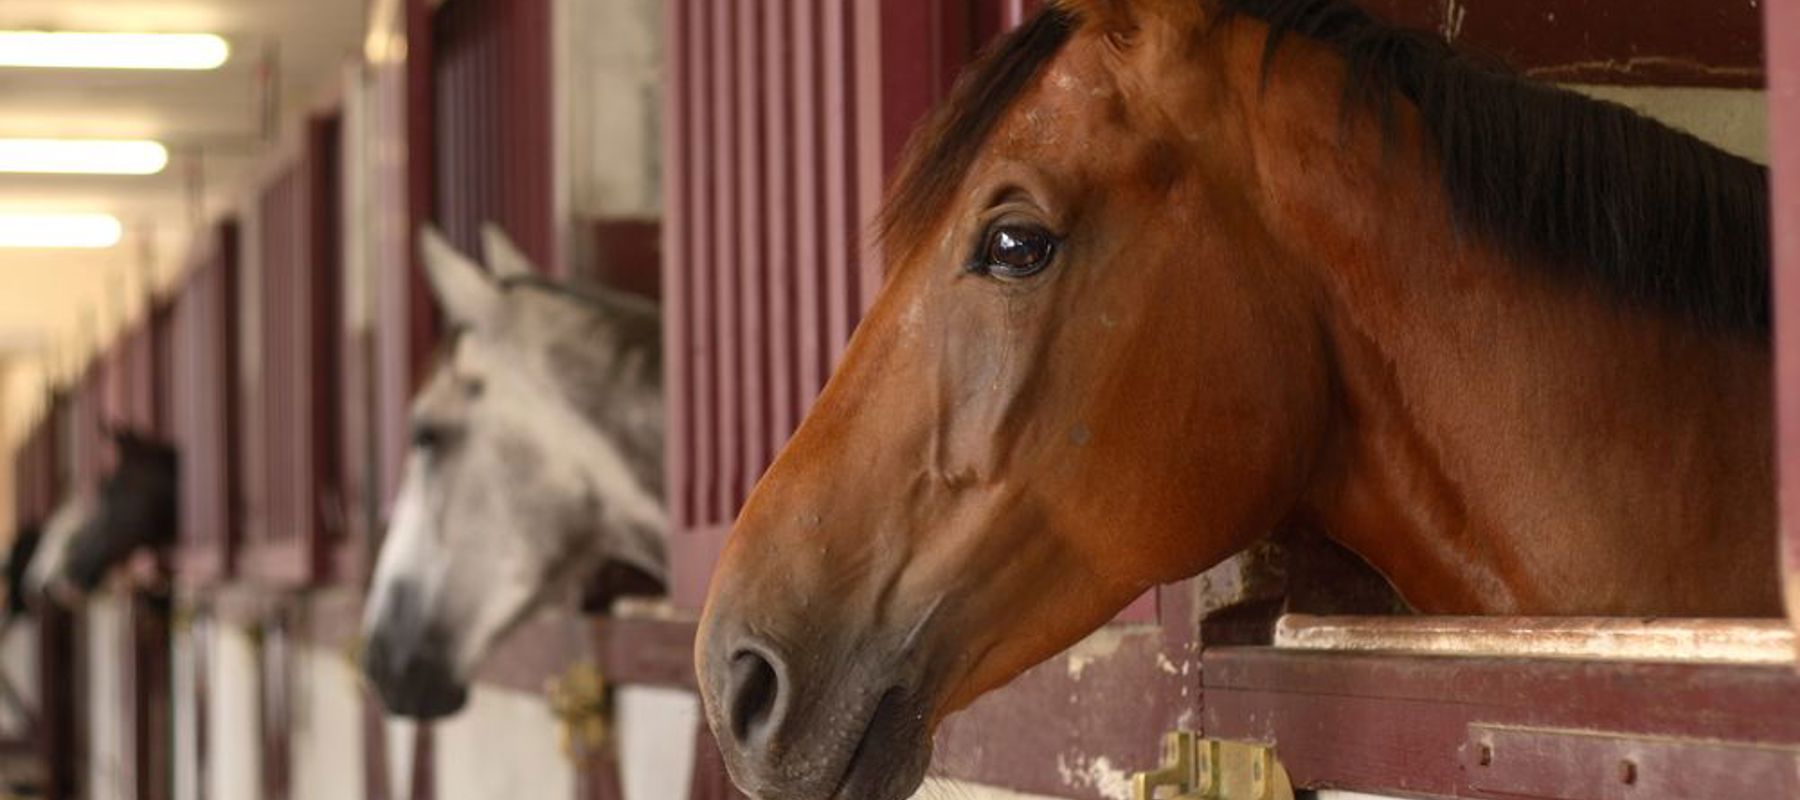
(54, 305)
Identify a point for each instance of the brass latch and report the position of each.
(1194, 768)
(583, 710)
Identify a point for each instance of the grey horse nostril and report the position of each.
(753, 695)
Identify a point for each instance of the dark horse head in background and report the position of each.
(136, 508)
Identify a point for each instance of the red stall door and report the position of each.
(204, 391)
(294, 515)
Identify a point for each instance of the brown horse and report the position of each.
(1166, 275)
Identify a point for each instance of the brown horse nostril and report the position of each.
(752, 697)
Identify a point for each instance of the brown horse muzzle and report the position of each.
(854, 732)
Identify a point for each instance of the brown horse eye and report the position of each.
(1016, 252)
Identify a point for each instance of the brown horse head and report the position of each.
(1154, 291)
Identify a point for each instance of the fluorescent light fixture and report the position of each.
(83, 156)
(86, 231)
(112, 50)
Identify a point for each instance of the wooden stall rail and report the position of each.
(1499, 727)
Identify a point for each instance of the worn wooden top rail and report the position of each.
(1728, 641)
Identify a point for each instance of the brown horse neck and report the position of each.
(1504, 441)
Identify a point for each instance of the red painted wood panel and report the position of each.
(1784, 117)
(784, 121)
(205, 424)
(399, 144)
(294, 510)
(34, 476)
(162, 346)
(493, 113)
(88, 448)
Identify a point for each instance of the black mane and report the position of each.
(1587, 189)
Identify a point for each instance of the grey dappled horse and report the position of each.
(536, 459)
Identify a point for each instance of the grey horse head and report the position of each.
(536, 458)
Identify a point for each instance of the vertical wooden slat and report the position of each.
(677, 249)
(752, 284)
(811, 257)
(493, 140)
(781, 412)
(786, 119)
(841, 215)
(727, 244)
(206, 411)
(1782, 29)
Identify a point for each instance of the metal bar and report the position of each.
(1749, 641)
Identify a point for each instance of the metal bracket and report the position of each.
(1195, 768)
(583, 707)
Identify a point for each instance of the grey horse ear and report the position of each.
(463, 289)
(503, 256)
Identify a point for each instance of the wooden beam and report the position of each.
(1648, 42)
(1489, 727)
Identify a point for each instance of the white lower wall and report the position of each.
(328, 730)
(185, 748)
(502, 746)
(399, 756)
(654, 729)
(234, 767)
(106, 704)
(939, 789)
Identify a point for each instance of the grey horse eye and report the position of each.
(429, 436)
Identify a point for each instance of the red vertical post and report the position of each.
(1782, 27)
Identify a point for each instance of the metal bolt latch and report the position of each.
(1194, 768)
(583, 709)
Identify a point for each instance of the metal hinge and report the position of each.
(1194, 768)
(583, 709)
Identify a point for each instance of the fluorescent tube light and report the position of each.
(83, 156)
(86, 231)
(190, 51)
